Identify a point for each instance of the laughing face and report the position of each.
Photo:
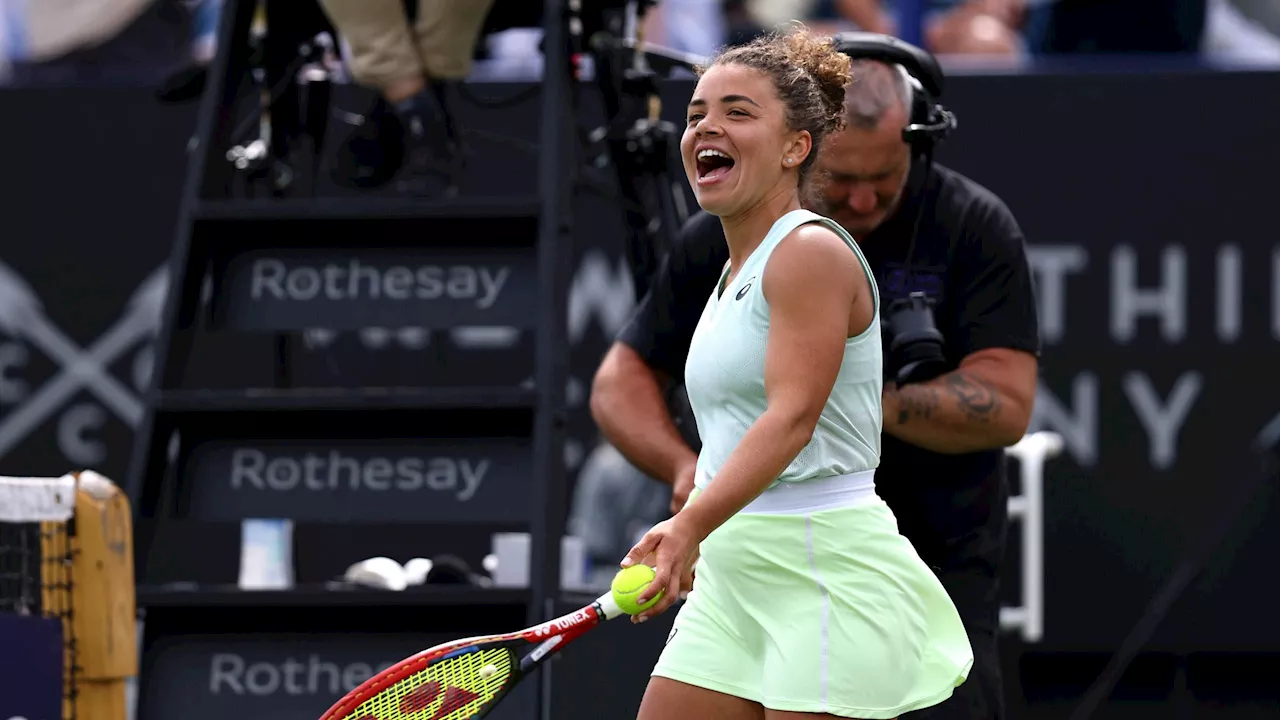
(737, 148)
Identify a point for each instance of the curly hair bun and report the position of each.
(810, 76)
(829, 67)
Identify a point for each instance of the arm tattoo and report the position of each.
(916, 401)
(975, 397)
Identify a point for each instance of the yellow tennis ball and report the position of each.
(627, 586)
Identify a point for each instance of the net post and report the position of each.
(70, 542)
(103, 597)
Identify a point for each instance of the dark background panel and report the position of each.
(1149, 183)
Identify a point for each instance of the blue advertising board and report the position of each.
(31, 654)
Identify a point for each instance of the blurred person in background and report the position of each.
(953, 27)
(942, 469)
(188, 81)
(1264, 12)
(614, 505)
(77, 41)
(7, 49)
(699, 27)
(1231, 34)
(204, 43)
(975, 27)
(411, 63)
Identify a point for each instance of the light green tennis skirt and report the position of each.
(824, 609)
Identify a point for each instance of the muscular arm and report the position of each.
(629, 405)
(984, 404)
(803, 352)
(628, 395)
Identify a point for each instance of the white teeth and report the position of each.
(709, 152)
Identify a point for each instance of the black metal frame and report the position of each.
(554, 274)
(551, 360)
(212, 124)
(641, 149)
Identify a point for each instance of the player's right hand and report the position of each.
(672, 545)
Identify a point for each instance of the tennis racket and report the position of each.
(465, 679)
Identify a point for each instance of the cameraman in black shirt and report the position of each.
(942, 468)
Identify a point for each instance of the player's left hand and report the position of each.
(672, 547)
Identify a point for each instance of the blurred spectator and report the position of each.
(614, 504)
(43, 30)
(72, 41)
(957, 27)
(1264, 12)
(511, 45)
(741, 24)
(411, 62)
(411, 49)
(1230, 34)
(8, 48)
(699, 27)
(1234, 29)
(188, 81)
(204, 31)
(975, 27)
(868, 15)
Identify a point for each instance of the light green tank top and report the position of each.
(724, 374)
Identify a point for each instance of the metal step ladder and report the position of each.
(230, 419)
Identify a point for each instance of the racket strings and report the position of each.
(454, 688)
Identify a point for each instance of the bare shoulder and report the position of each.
(812, 255)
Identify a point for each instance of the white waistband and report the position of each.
(808, 496)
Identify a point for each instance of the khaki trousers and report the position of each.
(385, 49)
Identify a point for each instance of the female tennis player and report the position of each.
(808, 603)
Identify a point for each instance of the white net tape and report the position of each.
(28, 500)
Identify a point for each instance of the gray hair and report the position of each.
(876, 88)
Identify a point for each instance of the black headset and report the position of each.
(930, 122)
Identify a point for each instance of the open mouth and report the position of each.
(713, 165)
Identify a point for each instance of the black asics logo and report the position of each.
(743, 292)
